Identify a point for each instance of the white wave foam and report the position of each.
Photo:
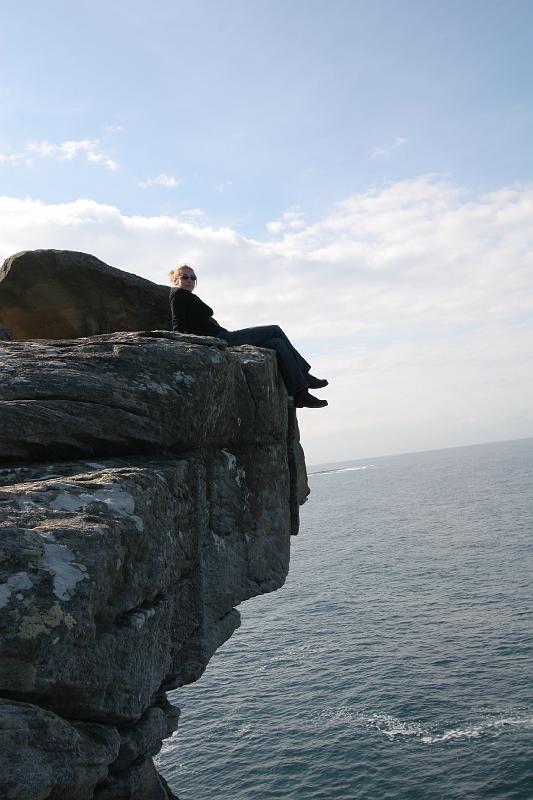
(493, 726)
(393, 727)
(342, 469)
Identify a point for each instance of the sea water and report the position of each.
(397, 661)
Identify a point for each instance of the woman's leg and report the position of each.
(294, 379)
(293, 366)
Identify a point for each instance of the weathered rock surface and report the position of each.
(52, 754)
(61, 294)
(111, 562)
(150, 484)
(76, 398)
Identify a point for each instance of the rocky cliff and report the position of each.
(149, 484)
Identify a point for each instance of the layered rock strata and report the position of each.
(149, 484)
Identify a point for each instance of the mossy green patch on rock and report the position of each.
(34, 622)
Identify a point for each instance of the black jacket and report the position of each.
(191, 315)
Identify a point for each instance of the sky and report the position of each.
(358, 171)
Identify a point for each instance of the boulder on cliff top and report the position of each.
(63, 294)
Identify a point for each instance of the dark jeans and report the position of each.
(293, 366)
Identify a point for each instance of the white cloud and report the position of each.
(415, 300)
(43, 148)
(160, 180)
(10, 158)
(70, 150)
(192, 213)
(384, 151)
(101, 158)
(291, 219)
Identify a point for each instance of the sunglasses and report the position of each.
(187, 277)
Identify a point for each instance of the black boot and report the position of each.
(316, 383)
(303, 399)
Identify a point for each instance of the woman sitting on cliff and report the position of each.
(191, 315)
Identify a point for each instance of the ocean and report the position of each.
(397, 661)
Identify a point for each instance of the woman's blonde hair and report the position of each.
(174, 273)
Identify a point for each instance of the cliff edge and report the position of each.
(150, 483)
